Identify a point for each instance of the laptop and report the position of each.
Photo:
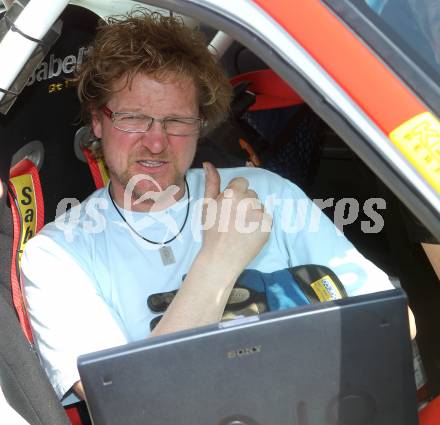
(344, 362)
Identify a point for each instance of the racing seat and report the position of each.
(43, 119)
(23, 381)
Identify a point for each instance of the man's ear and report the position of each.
(97, 124)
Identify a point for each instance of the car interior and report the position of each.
(270, 127)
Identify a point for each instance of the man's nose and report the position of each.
(155, 139)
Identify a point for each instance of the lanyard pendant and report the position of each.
(167, 255)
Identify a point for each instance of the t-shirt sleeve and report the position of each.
(67, 314)
(310, 237)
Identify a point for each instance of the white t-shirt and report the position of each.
(88, 276)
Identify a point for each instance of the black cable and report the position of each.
(145, 239)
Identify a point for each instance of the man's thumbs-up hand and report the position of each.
(212, 181)
(235, 223)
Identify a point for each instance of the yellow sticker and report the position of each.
(419, 140)
(24, 188)
(103, 170)
(325, 289)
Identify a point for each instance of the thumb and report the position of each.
(212, 181)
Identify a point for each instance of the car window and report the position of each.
(405, 34)
(414, 25)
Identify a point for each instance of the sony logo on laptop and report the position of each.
(246, 351)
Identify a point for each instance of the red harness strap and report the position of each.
(73, 414)
(27, 206)
(26, 199)
(97, 168)
(430, 415)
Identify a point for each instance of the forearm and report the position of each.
(225, 253)
(202, 297)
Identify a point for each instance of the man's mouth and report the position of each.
(151, 164)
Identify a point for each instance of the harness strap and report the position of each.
(97, 168)
(27, 207)
(271, 91)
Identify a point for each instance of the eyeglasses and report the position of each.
(131, 122)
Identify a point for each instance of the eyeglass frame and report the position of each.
(111, 115)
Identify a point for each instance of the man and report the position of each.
(150, 89)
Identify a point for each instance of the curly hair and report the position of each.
(159, 46)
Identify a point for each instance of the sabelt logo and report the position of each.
(242, 352)
(55, 66)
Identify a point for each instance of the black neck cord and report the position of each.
(145, 239)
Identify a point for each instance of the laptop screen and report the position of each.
(344, 362)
